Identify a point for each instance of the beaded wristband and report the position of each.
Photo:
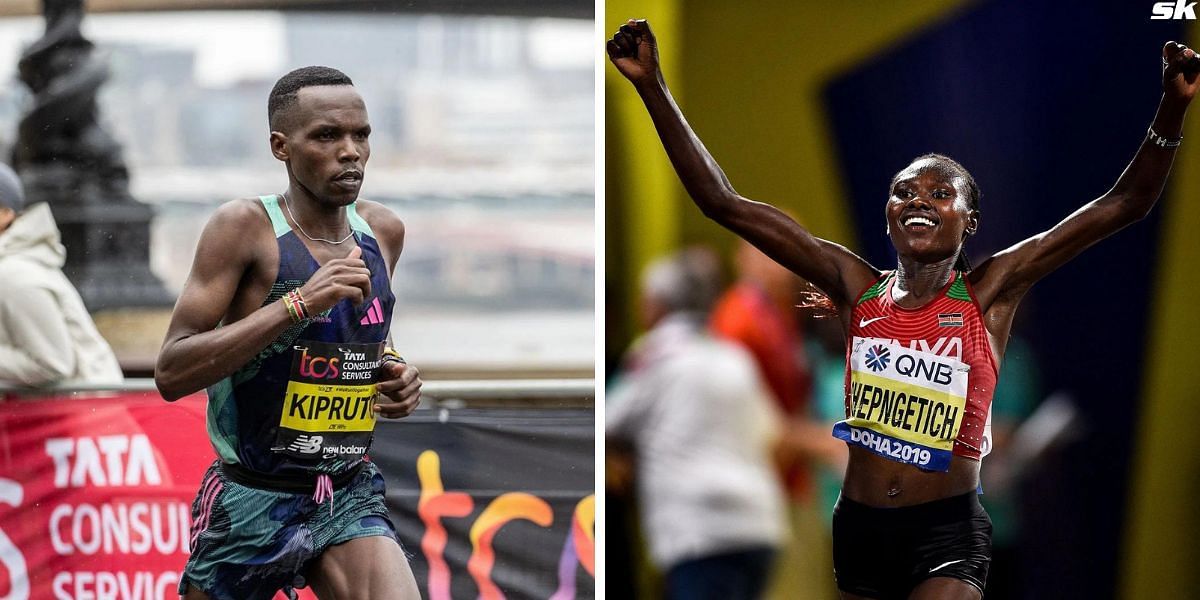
(300, 304)
(291, 308)
(296, 308)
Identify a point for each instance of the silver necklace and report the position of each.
(287, 204)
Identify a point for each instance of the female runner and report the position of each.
(924, 341)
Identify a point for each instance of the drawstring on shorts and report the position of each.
(324, 491)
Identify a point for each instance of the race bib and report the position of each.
(329, 405)
(906, 405)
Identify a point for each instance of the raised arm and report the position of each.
(831, 267)
(1010, 273)
(196, 352)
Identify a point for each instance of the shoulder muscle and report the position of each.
(389, 229)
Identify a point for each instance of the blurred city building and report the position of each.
(483, 142)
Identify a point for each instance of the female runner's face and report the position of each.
(928, 214)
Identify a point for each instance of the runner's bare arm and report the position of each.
(1010, 273)
(831, 267)
(196, 352)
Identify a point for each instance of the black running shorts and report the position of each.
(886, 552)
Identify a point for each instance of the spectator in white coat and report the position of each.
(46, 335)
(702, 427)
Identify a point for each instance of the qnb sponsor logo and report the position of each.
(306, 444)
(1177, 10)
(918, 368)
(878, 357)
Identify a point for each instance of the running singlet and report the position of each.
(304, 404)
(919, 381)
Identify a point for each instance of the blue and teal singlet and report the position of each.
(303, 405)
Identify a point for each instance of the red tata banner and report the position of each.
(95, 497)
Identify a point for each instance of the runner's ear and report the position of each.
(278, 141)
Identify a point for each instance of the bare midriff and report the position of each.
(883, 483)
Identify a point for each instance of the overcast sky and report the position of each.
(231, 46)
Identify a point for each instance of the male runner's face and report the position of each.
(927, 212)
(328, 143)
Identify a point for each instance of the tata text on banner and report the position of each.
(95, 495)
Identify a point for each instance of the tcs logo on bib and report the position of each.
(318, 367)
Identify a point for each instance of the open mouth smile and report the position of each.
(918, 222)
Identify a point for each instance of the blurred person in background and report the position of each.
(759, 312)
(47, 336)
(1018, 393)
(925, 340)
(702, 429)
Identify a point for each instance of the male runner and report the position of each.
(284, 319)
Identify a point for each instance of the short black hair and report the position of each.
(283, 95)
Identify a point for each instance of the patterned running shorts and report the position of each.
(249, 543)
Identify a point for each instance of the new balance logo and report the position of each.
(306, 444)
(1179, 9)
(374, 314)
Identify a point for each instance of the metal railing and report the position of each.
(445, 393)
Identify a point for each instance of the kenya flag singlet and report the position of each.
(919, 381)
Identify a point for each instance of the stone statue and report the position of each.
(61, 135)
(67, 159)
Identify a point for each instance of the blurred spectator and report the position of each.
(701, 426)
(759, 312)
(46, 334)
(827, 349)
(1017, 394)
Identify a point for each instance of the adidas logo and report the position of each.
(374, 314)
